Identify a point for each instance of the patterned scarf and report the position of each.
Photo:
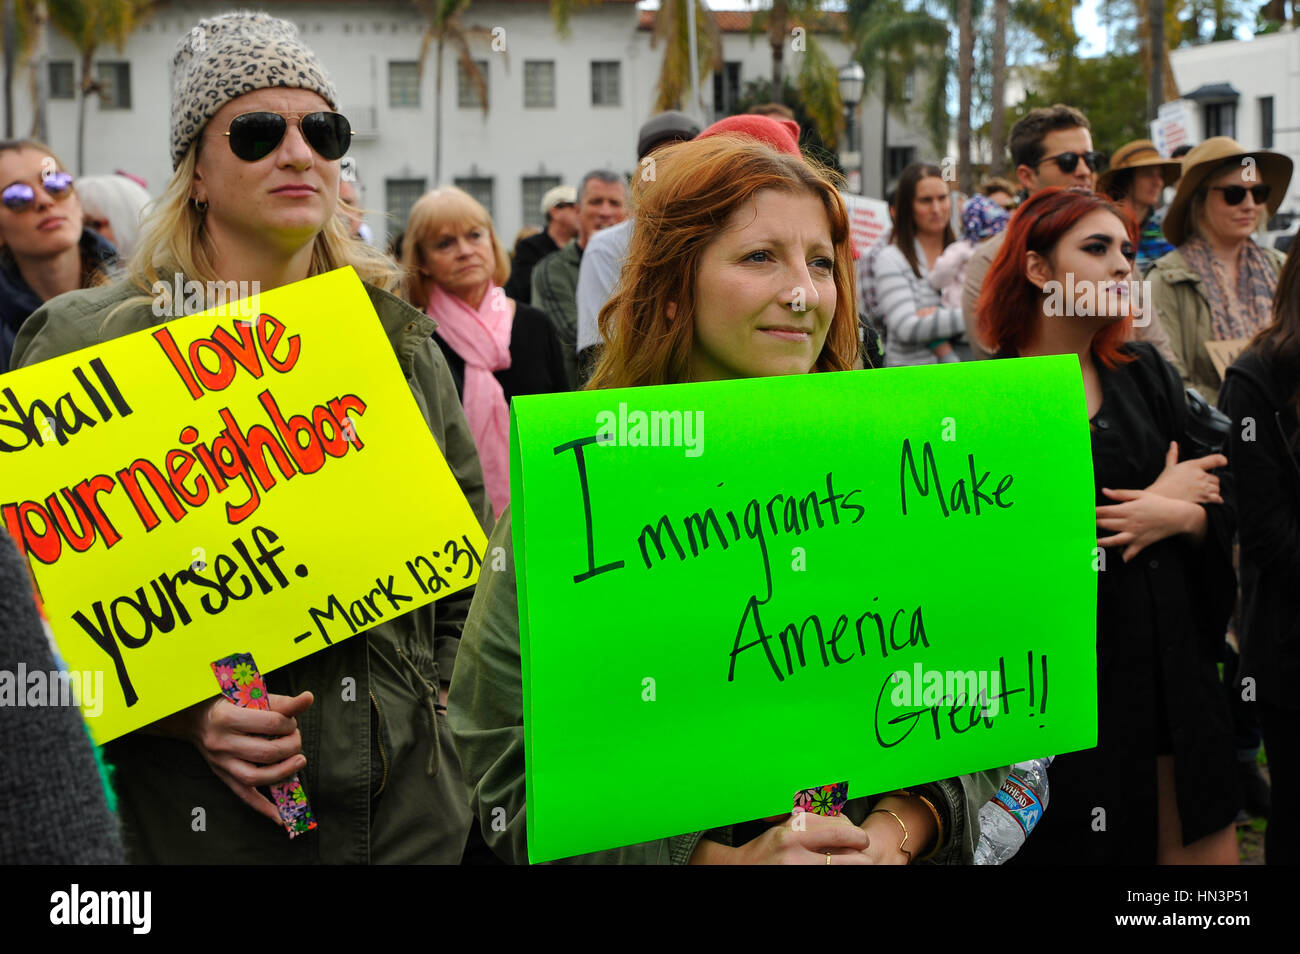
(482, 337)
(1252, 307)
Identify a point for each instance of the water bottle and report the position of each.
(1011, 814)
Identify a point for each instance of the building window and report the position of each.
(403, 83)
(467, 91)
(399, 196)
(900, 157)
(605, 83)
(63, 84)
(726, 90)
(1266, 122)
(909, 86)
(115, 85)
(534, 188)
(1221, 120)
(480, 188)
(539, 84)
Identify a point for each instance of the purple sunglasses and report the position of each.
(19, 196)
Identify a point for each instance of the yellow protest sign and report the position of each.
(234, 481)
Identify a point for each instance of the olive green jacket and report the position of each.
(380, 788)
(1181, 305)
(485, 709)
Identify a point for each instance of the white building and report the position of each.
(558, 107)
(1249, 90)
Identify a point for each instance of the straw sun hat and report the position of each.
(1214, 154)
(1136, 155)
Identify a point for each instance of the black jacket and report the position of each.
(1263, 447)
(528, 253)
(17, 300)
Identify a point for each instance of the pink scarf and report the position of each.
(481, 336)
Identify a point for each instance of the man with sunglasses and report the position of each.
(1050, 146)
(45, 248)
(560, 206)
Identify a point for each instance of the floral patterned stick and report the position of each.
(242, 684)
(823, 800)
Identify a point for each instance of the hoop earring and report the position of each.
(200, 207)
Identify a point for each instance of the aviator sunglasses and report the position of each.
(1067, 161)
(19, 196)
(254, 136)
(1236, 194)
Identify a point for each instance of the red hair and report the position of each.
(1010, 305)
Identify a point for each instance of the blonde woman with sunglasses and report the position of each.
(1218, 284)
(256, 144)
(45, 248)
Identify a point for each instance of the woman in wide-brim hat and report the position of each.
(1218, 284)
(1136, 177)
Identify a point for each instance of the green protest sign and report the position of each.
(732, 591)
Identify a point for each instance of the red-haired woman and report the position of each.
(1160, 786)
(727, 238)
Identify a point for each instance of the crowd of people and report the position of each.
(681, 277)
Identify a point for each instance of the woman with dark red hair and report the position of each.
(1160, 787)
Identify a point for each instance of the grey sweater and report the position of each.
(52, 807)
(902, 294)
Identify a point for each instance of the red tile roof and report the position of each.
(739, 21)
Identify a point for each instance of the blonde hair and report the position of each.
(446, 207)
(173, 238)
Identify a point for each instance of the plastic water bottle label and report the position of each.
(1020, 803)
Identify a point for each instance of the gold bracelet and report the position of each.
(938, 820)
(886, 811)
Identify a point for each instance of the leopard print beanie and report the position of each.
(227, 56)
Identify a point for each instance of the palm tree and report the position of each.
(891, 41)
(998, 120)
(1154, 29)
(672, 25)
(9, 25)
(443, 25)
(817, 80)
(965, 73)
(88, 24)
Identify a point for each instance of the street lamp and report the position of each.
(852, 79)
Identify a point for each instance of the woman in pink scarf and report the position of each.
(495, 347)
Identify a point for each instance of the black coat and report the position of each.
(536, 364)
(1160, 624)
(528, 252)
(1263, 449)
(17, 300)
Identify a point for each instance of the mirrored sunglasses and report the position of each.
(19, 196)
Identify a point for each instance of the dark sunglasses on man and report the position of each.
(19, 196)
(1236, 194)
(255, 136)
(1067, 161)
